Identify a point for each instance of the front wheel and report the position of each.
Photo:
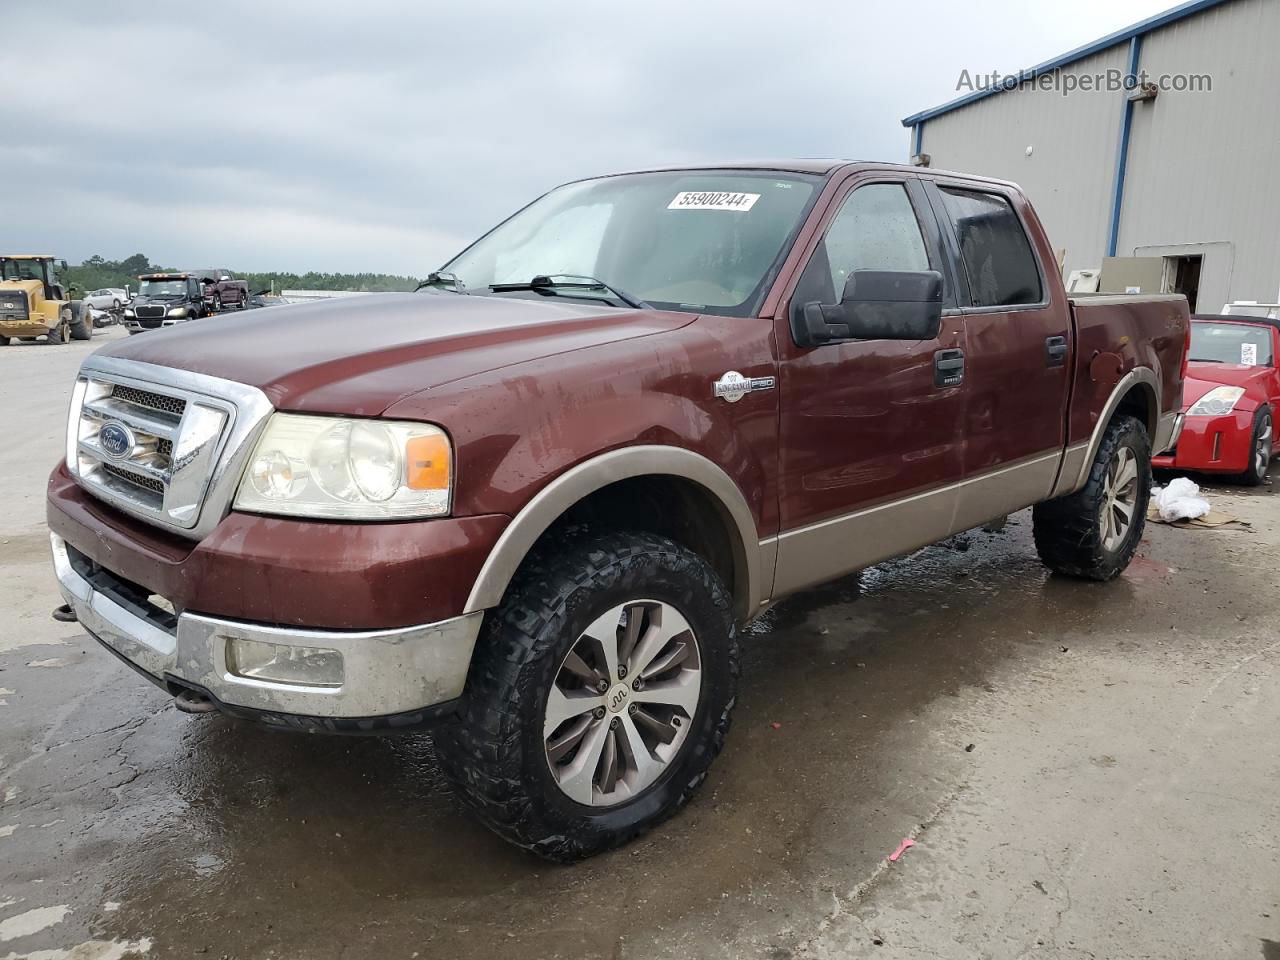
(82, 322)
(1260, 448)
(600, 692)
(4, 341)
(62, 332)
(1094, 532)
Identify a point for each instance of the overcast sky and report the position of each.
(380, 135)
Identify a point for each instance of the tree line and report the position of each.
(98, 272)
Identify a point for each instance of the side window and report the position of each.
(875, 229)
(996, 252)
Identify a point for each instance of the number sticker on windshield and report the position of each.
(1249, 354)
(705, 200)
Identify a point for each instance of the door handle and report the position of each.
(1055, 351)
(948, 368)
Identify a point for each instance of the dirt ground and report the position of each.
(1086, 770)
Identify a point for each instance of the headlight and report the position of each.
(176, 312)
(348, 469)
(128, 311)
(1217, 402)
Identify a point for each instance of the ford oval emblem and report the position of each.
(116, 440)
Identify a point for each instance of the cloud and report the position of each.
(384, 135)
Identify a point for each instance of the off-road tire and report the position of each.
(4, 341)
(1068, 531)
(495, 755)
(242, 303)
(82, 323)
(1252, 475)
(62, 332)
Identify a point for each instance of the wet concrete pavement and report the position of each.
(1086, 770)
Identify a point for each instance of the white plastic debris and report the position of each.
(1180, 500)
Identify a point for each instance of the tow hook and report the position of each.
(64, 614)
(188, 701)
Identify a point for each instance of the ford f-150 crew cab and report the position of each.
(534, 505)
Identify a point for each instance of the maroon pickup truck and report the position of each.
(222, 291)
(534, 507)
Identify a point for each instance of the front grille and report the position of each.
(137, 479)
(150, 400)
(13, 305)
(149, 312)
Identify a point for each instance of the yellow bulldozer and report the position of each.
(34, 303)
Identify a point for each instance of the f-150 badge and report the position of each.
(733, 386)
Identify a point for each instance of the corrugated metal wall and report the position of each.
(1202, 173)
(1073, 139)
(1203, 167)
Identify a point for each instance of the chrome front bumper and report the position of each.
(384, 673)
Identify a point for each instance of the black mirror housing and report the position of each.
(876, 305)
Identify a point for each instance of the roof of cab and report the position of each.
(164, 276)
(26, 256)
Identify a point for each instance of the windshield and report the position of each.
(163, 288)
(1241, 343)
(22, 270)
(702, 240)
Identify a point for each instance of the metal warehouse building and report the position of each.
(1178, 163)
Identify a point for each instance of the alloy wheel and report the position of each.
(1262, 449)
(1119, 499)
(622, 703)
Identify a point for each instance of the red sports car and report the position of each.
(1231, 393)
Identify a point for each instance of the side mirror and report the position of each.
(877, 305)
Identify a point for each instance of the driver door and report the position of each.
(872, 431)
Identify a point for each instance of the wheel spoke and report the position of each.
(644, 720)
(664, 625)
(631, 635)
(581, 669)
(645, 765)
(677, 653)
(609, 763)
(681, 692)
(560, 747)
(563, 706)
(578, 778)
(1108, 522)
(1126, 474)
(604, 631)
(1124, 512)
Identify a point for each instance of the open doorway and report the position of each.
(1184, 277)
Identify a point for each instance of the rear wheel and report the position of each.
(599, 694)
(1261, 446)
(1094, 532)
(244, 301)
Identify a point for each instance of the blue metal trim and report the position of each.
(1079, 53)
(918, 140)
(1122, 149)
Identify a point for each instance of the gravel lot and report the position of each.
(1087, 771)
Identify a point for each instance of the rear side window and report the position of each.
(996, 252)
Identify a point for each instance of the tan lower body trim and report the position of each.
(822, 551)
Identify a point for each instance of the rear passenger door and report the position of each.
(1017, 347)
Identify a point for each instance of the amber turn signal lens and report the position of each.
(427, 463)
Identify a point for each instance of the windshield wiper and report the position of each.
(1204, 360)
(557, 281)
(443, 279)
